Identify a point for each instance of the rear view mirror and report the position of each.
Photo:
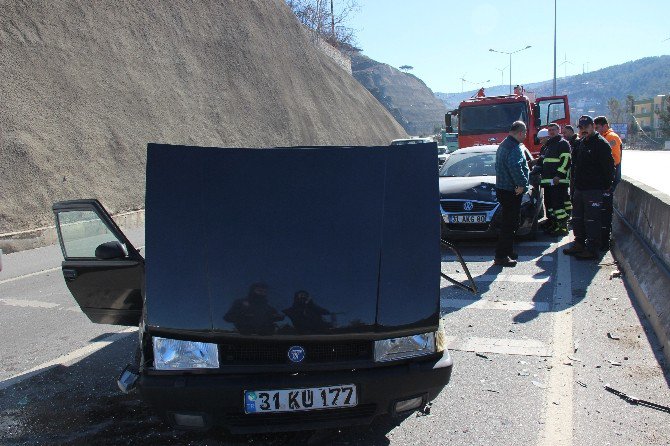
(447, 123)
(110, 250)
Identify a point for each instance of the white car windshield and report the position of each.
(469, 164)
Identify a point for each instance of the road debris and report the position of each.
(524, 372)
(539, 384)
(575, 345)
(482, 355)
(637, 401)
(581, 384)
(574, 358)
(614, 362)
(614, 336)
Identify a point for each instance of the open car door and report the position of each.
(102, 269)
(552, 109)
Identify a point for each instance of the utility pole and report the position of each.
(554, 47)
(332, 23)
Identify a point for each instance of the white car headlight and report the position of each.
(171, 354)
(405, 347)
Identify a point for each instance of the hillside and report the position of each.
(86, 85)
(589, 92)
(404, 95)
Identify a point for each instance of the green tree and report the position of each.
(406, 67)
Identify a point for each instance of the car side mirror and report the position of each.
(110, 250)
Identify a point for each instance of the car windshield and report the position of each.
(469, 164)
(491, 118)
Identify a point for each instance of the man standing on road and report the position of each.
(592, 168)
(511, 183)
(602, 126)
(570, 135)
(555, 165)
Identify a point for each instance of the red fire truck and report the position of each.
(486, 119)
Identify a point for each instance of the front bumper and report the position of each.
(219, 399)
(489, 229)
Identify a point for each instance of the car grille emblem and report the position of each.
(468, 206)
(296, 353)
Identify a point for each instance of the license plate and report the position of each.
(470, 218)
(295, 400)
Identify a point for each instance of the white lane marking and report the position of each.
(67, 359)
(27, 303)
(558, 420)
(503, 277)
(483, 304)
(524, 347)
(26, 276)
(485, 259)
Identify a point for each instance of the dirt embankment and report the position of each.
(87, 84)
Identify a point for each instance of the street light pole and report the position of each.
(554, 47)
(510, 62)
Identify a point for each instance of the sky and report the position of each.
(446, 40)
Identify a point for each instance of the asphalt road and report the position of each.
(532, 354)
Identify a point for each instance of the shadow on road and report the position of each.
(81, 405)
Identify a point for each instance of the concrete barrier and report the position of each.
(641, 232)
(35, 238)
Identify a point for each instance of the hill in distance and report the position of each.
(588, 93)
(404, 95)
(86, 85)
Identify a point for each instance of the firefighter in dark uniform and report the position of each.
(592, 169)
(555, 166)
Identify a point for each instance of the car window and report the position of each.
(82, 232)
(469, 165)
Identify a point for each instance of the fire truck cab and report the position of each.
(486, 119)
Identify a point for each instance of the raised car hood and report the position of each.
(292, 241)
(469, 188)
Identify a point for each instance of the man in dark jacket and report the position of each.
(570, 136)
(555, 167)
(511, 183)
(593, 165)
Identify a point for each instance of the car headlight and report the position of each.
(405, 347)
(171, 354)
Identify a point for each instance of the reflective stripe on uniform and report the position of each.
(565, 164)
(560, 214)
(568, 205)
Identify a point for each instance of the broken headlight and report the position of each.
(172, 354)
(405, 347)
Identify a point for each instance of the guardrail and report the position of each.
(642, 248)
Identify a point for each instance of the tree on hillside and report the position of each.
(406, 67)
(325, 20)
(616, 113)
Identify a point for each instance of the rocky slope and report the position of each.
(404, 95)
(87, 84)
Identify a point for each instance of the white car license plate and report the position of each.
(294, 400)
(470, 218)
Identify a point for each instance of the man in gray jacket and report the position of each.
(511, 183)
